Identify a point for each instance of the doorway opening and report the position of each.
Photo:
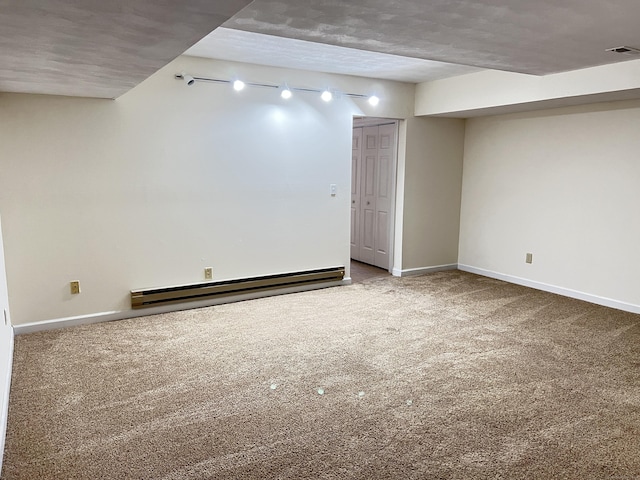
(373, 191)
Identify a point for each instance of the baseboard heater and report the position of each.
(152, 297)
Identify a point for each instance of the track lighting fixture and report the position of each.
(188, 79)
(286, 92)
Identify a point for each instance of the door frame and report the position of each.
(363, 121)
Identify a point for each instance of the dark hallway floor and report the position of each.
(362, 271)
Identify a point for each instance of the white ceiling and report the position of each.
(249, 47)
(103, 48)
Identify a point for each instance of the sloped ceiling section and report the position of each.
(98, 48)
(534, 37)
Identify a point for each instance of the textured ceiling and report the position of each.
(536, 37)
(102, 48)
(248, 47)
(98, 48)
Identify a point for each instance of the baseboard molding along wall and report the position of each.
(124, 314)
(396, 272)
(4, 408)
(567, 292)
(121, 315)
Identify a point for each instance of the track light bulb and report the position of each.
(326, 96)
(373, 100)
(285, 93)
(238, 85)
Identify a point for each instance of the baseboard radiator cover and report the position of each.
(151, 297)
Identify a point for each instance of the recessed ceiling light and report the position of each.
(326, 96)
(238, 85)
(373, 100)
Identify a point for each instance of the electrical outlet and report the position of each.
(208, 273)
(529, 258)
(75, 287)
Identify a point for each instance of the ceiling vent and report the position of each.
(625, 50)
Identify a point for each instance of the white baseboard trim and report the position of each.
(567, 292)
(396, 272)
(124, 314)
(4, 408)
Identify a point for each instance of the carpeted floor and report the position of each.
(443, 376)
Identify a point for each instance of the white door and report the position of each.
(368, 176)
(356, 162)
(382, 191)
(372, 182)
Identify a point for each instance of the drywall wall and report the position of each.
(150, 189)
(6, 351)
(563, 185)
(432, 181)
(493, 92)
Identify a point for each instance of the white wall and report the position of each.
(6, 351)
(563, 185)
(432, 180)
(490, 92)
(151, 188)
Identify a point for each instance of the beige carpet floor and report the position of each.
(443, 376)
